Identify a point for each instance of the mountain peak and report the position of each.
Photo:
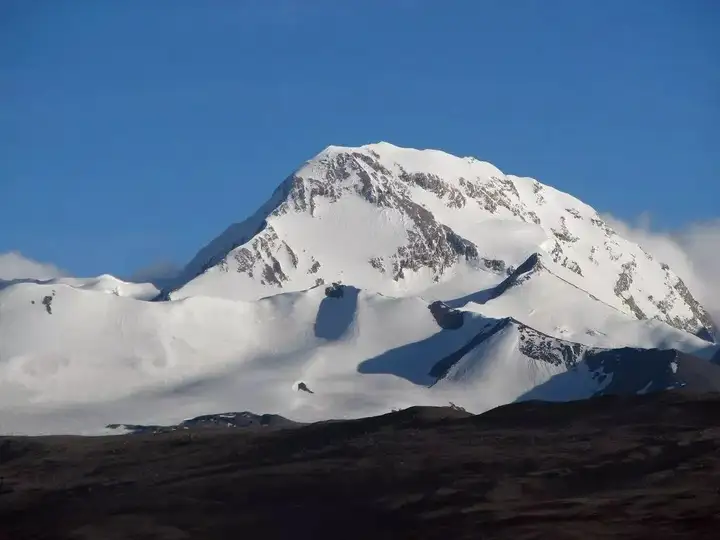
(442, 277)
(403, 221)
(374, 146)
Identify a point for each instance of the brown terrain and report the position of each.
(610, 467)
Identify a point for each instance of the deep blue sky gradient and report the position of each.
(136, 131)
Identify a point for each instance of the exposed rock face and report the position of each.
(521, 274)
(539, 346)
(47, 302)
(533, 345)
(447, 318)
(397, 221)
(700, 320)
(623, 371)
(302, 387)
(334, 291)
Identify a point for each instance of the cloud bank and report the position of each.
(693, 253)
(14, 265)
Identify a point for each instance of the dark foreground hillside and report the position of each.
(610, 467)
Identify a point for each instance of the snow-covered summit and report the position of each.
(402, 222)
(373, 278)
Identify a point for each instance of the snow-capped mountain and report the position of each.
(459, 284)
(409, 222)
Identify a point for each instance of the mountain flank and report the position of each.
(374, 278)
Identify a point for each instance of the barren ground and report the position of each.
(646, 466)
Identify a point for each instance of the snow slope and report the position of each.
(99, 358)
(105, 284)
(537, 297)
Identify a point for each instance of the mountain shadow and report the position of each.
(478, 297)
(336, 312)
(517, 276)
(627, 371)
(418, 362)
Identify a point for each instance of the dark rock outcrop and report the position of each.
(223, 420)
(519, 275)
(302, 387)
(47, 302)
(446, 317)
(334, 291)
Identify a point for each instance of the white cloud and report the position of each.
(14, 265)
(693, 253)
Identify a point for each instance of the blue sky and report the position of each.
(134, 132)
